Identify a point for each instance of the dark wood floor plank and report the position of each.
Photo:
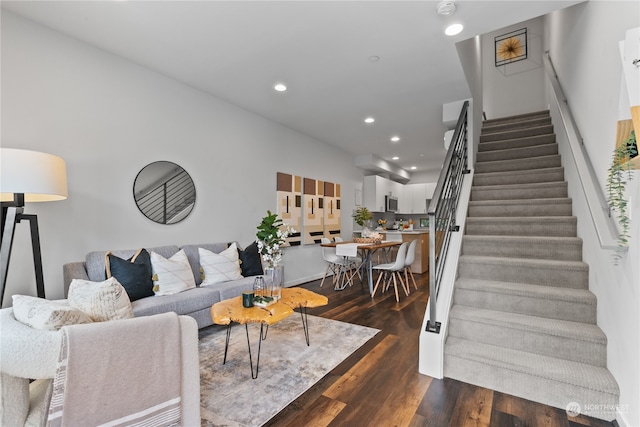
(379, 384)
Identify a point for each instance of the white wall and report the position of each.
(583, 43)
(108, 118)
(514, 88)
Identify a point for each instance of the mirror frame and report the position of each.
(164, 192)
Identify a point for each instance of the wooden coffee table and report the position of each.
(231, 310)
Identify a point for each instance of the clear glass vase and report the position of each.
(274, 278)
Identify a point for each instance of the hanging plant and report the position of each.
(618, 176)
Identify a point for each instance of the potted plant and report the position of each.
(362, 216)
(618, 176)
(271, 236)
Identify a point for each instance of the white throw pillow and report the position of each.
(172, 275)
(40, 313)
(102, 301)
(222, 267)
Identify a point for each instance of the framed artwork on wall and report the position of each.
(313, 216)
(289, 195)
(511, 47)
(331, 205)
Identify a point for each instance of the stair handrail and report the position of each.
(603, 221)
(442, 210)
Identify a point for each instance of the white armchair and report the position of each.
(27, 353)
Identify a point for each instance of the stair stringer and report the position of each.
(431, 348)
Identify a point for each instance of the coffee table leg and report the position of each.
(305, 323)
(263, 333)
(226, 343)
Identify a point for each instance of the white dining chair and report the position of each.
(393, 271)
(349, 268)
(335, 263)
(411, 257)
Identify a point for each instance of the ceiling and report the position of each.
(322, 50)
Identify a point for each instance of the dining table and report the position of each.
(367, 249)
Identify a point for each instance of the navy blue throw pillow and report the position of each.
(250, 262)
(134, 274)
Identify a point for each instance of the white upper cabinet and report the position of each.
(412, 198)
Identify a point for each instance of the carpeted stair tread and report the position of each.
(519, 177)
(523, 123)
(540, 335)
(553, 369)
(557, 226)
(517, 153)
(518, 142)
(541, 162)
(577, 305)
(536, 190)
(546, 272)
(516, 133)
(516, 118)
(558, 248)
(561, 328)
(559, 206)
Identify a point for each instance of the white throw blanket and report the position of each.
(121, 372)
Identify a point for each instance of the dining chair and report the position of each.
(356, 259)
(393, 271)
(348, 252)
(411, 257)
(333, 261)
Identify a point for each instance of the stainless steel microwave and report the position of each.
(391, 204)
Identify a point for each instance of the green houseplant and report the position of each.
(618, 176)
(271, 236)
(362, 215)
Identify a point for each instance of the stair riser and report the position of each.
(517, 143)
(516, 119)
(574, 278)
(517, 153)
(534, 122)
(559, 252)
(553, 309)
(531, 387)
(521, 210)
(520, 177)
(504, 228)
(537, 342)
(518, 133)
(519, 164)
(547, 192)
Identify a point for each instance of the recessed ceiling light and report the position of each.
(279, 87)
(413, 168)
(395, 138)
(453, 29)
(369, 120)
(374, 58)
(395, 158)
(446, 8)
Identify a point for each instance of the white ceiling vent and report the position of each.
(446, 8)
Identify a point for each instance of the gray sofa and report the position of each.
(194, 302)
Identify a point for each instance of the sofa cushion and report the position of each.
(134, 274)
(250, 261)
(48, 315)
(222, 267)
(194, 257)
(234, 288)
(102, 301)
(173, 275)
(96, 269)
(182, 303)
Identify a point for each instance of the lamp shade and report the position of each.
(41, 177)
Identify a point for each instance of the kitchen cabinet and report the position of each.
(421, 263)
(375, 189)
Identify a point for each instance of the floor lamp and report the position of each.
(27, 176)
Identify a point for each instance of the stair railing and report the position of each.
(442, 210)
(603, 220)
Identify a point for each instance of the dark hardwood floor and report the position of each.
(379, 385)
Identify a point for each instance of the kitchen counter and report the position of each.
(414, 231)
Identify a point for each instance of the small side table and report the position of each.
(231, 310)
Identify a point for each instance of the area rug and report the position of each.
(288, 367)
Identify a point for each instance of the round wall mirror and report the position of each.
(164, 192)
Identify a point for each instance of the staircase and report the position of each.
(523, 320)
